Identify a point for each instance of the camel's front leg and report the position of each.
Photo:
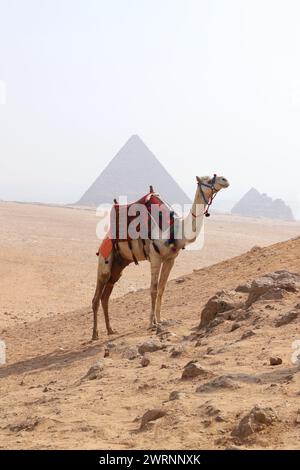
(165, 271)
(155, 270)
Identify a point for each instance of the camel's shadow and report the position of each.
(54, 360)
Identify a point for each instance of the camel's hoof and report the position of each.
(95, 336)
(111, 332)
(152, 326)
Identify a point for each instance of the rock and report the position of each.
(247, 334)
(269, 307)
(180, 280)
(176, 395)
(152, 415)
(130, 353)
(271, 285)
(256, 420)
(221, 302)
(194, 369)
(275, 293)
(145, 361)
(210, 350)
(297, 419)
(222, 382)
(235, 326)
(150, 346)
(245, 288)
(275, 361)
(106, 352)
(95, 372)
(177, 351)
(288, 317)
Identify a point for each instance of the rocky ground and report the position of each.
(220, 372)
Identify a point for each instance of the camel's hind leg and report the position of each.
(116, 271)
(103, 275)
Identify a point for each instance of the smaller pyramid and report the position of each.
(130, 173)
(256, 204)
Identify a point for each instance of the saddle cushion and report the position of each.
(106, 247)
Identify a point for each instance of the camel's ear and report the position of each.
(198, 179)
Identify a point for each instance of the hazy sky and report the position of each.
(209, 85)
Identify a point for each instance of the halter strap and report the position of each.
(210, 200)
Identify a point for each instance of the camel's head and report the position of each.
(215, 183)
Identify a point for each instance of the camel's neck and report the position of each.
(192, 223)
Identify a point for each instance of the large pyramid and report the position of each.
(129, 174)
(255, 204)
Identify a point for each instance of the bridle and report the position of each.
(208, 202)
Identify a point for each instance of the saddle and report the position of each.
(154, 212)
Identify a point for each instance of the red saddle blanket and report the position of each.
(146, 211)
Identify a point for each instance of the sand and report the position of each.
(47, 279)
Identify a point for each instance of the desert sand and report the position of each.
(50, 400)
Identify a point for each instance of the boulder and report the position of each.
(194, 369)
(256, 420)
(270, 286)
(221, 302)
(150, 346)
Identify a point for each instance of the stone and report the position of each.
(275, 361)
(194, 369)
(256, 420)
(130, 353)
(150, 346)
(152, 415)
(287, 317)
(145, 361)
(94, 372)
(177, 351)
(222, 382)
(221, 302)
(176, 395)
(245, 288)
(235, 326)
(271, 285)
(247, 334)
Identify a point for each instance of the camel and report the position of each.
(158, 252)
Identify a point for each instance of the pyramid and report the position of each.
(130, 173)
(255, 204)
